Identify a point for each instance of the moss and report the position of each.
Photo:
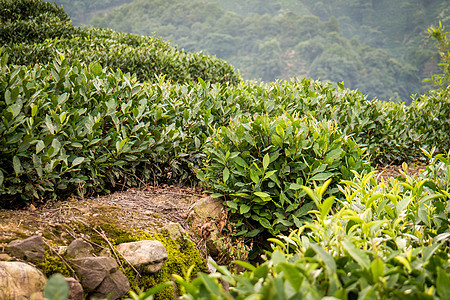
(182, 254)
(53, 264)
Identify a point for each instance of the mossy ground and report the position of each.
(110, 220)
(182, 254)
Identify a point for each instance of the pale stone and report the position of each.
(5, 257)
(19, 280)
(146, 255)
(75, 289)
(79, 248)
(201, 213)
(205, 208)
(211, 268)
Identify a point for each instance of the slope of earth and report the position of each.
(148, 209)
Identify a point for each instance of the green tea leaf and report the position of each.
(210, 284)
(326, 257)
(295, 186)
(404, 262)
(77, 161)
(95, 68)
(39, 146)
(245, 265)
(56, 288)
(428, 252)
(326, 207)
(377, 268)
(244, 209)
(17, 165)
(402, 204)
(280, 131)
(254, 176)
(240, 162)
(262, 195)
(266, 161)
(322, 176)
(293, 275)
(232, 204)
(226, 174)
(357, 254)
(443, 284)
(265, 223)
(254, 232)
(276, 140)
(37, 165)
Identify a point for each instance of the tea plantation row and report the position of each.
(384, 240)
(72, 128)
(35, 31)
(93, 111)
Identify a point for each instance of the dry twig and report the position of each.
(103, 235)
(62, 259)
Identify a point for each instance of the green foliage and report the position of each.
(32, 21)
(259, 164)
(380, 54)
(386, 240)
(147, 58)
(72, 128)
(440, 35)
(56, 288)
(35, 31)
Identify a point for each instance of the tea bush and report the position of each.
(35, 31)
(260, 163)
(75, 129)
(147, 57)
(32, 21)
(387, 240)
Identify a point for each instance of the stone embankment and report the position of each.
(98, 271)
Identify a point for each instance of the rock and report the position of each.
(75, 289)
(114, 286)
(19, 280)
(79, 249)
(105, 252)
(147, 256)
(101, 276)
(212, 239)
(62, 250)
(175, 230)
(5, 257)
(206, 208)
(30, 249)
(200, 216)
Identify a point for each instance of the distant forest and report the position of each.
(379, 47)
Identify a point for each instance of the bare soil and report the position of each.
(147, 209)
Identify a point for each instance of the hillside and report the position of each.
(290, 164)
(367, 46)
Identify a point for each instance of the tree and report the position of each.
(440, 35)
